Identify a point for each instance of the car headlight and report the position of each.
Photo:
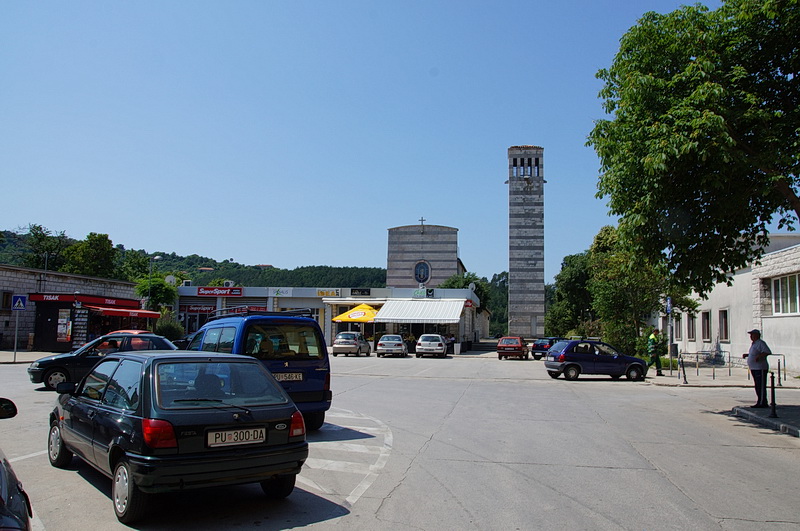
(35, 365)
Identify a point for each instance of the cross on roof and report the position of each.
(421, 225)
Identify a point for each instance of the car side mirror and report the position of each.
(7, 409)
(66, 388)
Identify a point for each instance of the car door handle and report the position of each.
(91, 414)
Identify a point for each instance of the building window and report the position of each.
(691, 335)
(785, 297)
(724, 330)
(705, 324)
(676, 327)
(6, 302)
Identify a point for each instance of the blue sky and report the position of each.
(296, 133)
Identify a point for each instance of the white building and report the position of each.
(765, 296)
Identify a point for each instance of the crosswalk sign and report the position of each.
(18, 302)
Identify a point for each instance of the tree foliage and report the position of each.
(43, 248)
(156, 291)
(463, 281)
(95, 256)
(703, 147)
(498, 304)
(572, 300)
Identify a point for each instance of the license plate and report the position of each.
(237, 437)
(288, 376)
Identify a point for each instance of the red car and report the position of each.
(511, 346)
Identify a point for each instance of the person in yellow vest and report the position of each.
(653, 349)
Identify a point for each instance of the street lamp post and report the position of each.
(150, 277)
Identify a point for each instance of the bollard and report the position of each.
(713, 372)
(779, 374)
(682, 366)
(697, 363)
(773, 413)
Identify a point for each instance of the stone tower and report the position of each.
(526, 241)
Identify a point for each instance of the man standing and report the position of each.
(653, 349)
(758, 365)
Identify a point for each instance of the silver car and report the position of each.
(350, 343)
(431, 344)
(391, 345)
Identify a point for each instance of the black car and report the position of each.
(72, 366)
(585, 356)
(167, 421)
(15, 507)
(540, 347)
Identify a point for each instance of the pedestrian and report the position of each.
(654, 348)
(758, 365)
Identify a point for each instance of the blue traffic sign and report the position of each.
(18, 302)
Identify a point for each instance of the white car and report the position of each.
(431, 344)
(391, 345)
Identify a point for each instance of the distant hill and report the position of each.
(204, 271)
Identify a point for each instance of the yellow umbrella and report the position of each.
(363, 313)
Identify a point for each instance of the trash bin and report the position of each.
(456, 348)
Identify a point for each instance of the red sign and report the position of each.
(468, 303)
(88, 299)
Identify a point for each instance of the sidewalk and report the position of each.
(787, 420)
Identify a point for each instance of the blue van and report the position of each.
(289, 343)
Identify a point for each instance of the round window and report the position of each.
(422, 272)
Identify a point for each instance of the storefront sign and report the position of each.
(198, 308)
(468, 303)
(336, 292)
(360, 292)
(280, 292)
(214, 291)
(84, 299)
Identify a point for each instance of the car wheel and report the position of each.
(554, 374)
(499, 357)
(314, 420)
(129, 502)
(536, 357)
(419, 355)
(335, 354)
(369, 351)
(572, 372)
(634, 373)
(278, 487)
(57, 453)
(53, 377)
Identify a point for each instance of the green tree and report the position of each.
(95, 256)
(43, 248)
(498, 304)
(463, 281)
(627, 290)
(156, 291)
(702, 149)
(131, 265)
(572, 302)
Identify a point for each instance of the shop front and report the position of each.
(66, 321)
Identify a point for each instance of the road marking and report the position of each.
(22, 457)
(368, 472)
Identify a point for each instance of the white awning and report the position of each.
(443, 311)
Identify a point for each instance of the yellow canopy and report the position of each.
(363, 313)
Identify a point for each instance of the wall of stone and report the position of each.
(408, 245)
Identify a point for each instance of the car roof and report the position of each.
(124, 333)
(180, 355)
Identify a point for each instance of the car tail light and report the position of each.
(298, 426)
(158, 434)
(562, 357)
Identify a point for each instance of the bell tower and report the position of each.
(526, 241)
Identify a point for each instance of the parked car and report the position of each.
(575, 357)
(72, 366)
(512, 346)
(289, 343)
(431, 344)
(350, 343)
(167, 421)
(15, 506)
(540, 347)
(391, 345)
(185, 341)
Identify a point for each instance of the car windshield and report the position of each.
(391, 338)
(430, 338)
(509, 341)
(198, 384)
(282, 341)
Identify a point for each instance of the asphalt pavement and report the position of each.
(780, 417)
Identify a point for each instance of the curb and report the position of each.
(775, 424)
